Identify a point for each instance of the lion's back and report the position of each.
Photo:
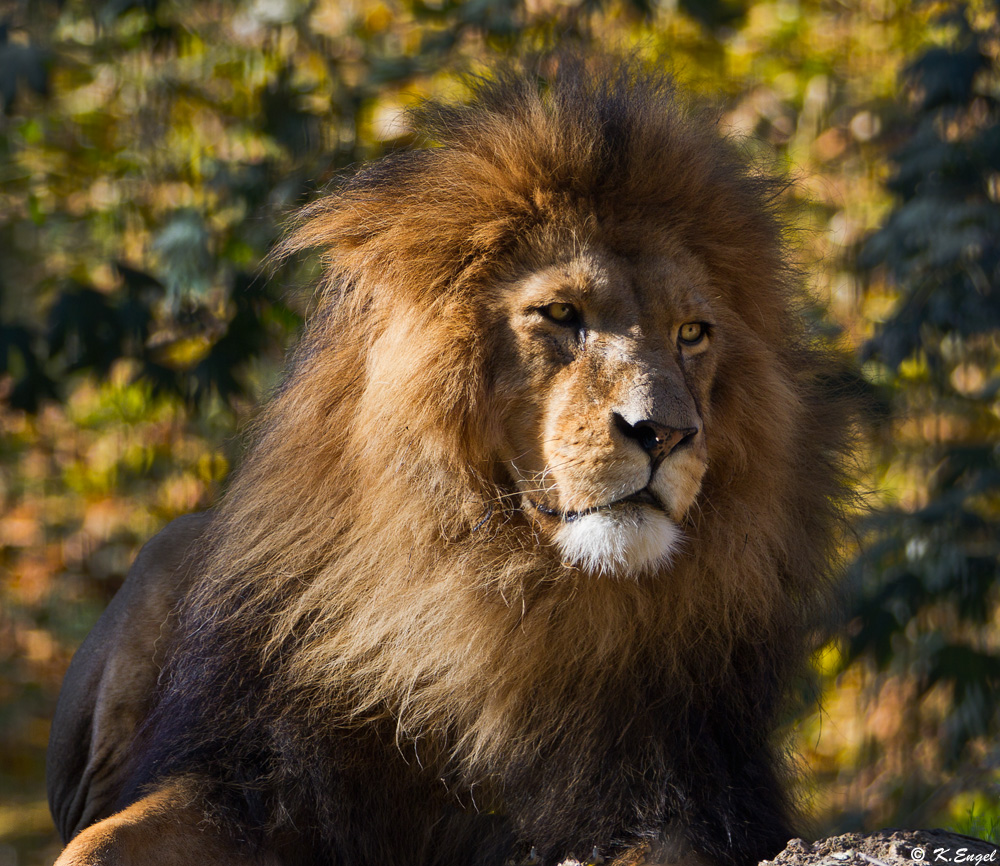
(111, 681)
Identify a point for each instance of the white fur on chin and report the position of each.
(623, 541)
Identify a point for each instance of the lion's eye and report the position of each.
(692, 333)
(561, 314)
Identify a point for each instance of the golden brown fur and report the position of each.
(384, 620)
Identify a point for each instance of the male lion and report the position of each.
(525, 551)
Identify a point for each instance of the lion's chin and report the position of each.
(627, 540)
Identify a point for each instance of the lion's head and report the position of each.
(573, 319)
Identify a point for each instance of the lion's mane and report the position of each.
(370, 586)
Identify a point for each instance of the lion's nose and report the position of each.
(657, 440)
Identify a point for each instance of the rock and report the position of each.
(888, 848)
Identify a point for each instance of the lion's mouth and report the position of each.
(640, 497)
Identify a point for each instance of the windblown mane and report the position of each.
(370, 563)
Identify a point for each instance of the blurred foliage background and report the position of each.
(151, 149)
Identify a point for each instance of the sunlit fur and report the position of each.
(373, 599)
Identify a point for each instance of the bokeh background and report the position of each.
(151, 149)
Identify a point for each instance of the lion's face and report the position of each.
(605, 384)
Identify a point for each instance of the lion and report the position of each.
(528, 545)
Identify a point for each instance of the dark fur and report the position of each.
(617, 713)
